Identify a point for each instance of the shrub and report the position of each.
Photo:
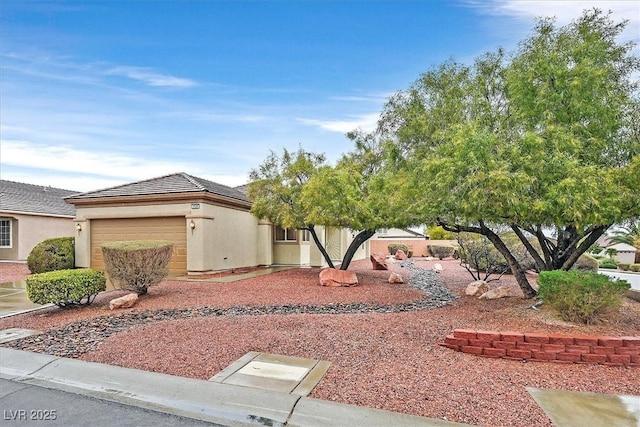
(586, 263)
(136, 265)
(66, 288)
(52, 254)
(441, 251)
(607, 263)
(393, 248)
(436, 232)
(635, 267)
(581, 296)
(623, 266)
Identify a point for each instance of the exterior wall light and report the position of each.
(192, 225)
(79, 227)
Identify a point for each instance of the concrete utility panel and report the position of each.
(287, 374)
(570, 408)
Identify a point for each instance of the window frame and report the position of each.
(10, 232)
(287, 232)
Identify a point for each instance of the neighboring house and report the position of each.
(210, 225)
(416, 242)
(30, 214)
(625, 253)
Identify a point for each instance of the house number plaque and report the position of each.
(195, 205)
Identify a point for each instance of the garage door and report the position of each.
(164, 228)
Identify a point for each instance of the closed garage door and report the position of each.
(164, 228)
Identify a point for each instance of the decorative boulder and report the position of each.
(400, 255)
(501, 292)
(336, 278)
(395, 278)
(437, 267)
(477, 288)
(378, 262)
(125, 301)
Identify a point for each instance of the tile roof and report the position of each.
(168, 184)
(30, 198)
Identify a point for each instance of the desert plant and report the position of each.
(52, 254)
(393, 248)
(586, 263)
(581, 296)
(634, 267)
(435, 232)
(623, 266)
(607, 263)
(135, 265)
(66, 288)
(479, 257)
(441, 251)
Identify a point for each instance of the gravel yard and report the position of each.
(381, 339)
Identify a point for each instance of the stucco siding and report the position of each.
(29, 230)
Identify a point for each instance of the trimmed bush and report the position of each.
(586, 263)
(581, 296)
(623, 266)
(635, 267)
(66, 288)
(441, 251)
(135, 265)
(52, 254)
(607, 263)
(393, 248)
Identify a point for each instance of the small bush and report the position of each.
(623, 266)
(586, 263)
(52, 254)
(436, 232)
(66, 288)
(607, 263)
(136, 265)
(393, 248)
(581, 296)
(635, 267)
(441, 251)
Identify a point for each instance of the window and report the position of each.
(305, 235)
(285, 234)
(5, 232)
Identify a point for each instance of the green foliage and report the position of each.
(442, 251)
(595, 249)
(607, 263)
(582, 296)
(52, 254)
(635, 267)
(65, 288)
(393, 248)
(623, 266)
(435, 232)
(586, 263)
(136, 265)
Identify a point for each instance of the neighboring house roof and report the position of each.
(178, 183)
(34, 199)
(400, 233)
(622, 247)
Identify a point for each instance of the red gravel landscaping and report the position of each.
(390, 361)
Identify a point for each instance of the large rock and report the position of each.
(477, 288)
(437, 267)
(395, 278)
(125, 301)
(378, 262)
(400, 255)
(336, 278)
(500, 292)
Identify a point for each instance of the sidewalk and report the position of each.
(208, 401)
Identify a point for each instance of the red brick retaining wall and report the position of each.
(614, 351)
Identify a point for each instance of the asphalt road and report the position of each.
(30, 405)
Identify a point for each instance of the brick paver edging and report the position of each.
(613, 351)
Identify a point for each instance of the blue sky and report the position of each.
(100, 93)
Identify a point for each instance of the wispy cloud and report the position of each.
(366, 122)
(150, 77)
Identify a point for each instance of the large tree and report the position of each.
(545, 141)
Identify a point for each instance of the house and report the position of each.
(210, 225)
(415, 241)
(30, 214)
(625, 253)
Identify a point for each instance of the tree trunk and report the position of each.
(319, 245)
(585, 244)
(362, 237)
